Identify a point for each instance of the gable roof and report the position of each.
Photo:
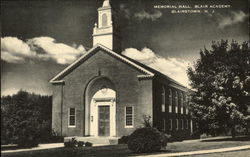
(147, 72)
(76, 63)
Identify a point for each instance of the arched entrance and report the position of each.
(100, 108)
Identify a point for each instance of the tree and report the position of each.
(25, 118)
(220, 81)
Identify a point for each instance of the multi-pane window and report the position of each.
(181, 102)
(170, 124)
(163, 99)
(176, 102)
(170, 100)
(72, 117)
(182, 124)
(129, 116)
(177, 124)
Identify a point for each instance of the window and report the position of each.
(184, 103)
(181, 102)
(104, 20)
(129, 116)
(163, 99)
(170, 124)
(164, 124)
(177, 124)
(187, 124)
(72, 117)
(176, 102)
(170, 100)
(182, 124)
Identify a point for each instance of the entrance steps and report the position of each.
(96, 140)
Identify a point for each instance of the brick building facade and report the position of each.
(104, 93)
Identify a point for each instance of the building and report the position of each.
(104, 93)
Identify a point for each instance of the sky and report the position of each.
(41, 38)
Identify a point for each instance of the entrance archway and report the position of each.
(100, 108)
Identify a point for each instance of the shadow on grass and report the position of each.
(245, 138)
(153, 153)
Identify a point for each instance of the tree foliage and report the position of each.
(25, 118)
(220, 80)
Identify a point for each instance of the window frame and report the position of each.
(125, 120)
(176, 101)
(171, 124)
(182, 124)
(164, 124)
(69, 125)
(181, 102)
(104, 17)
(170, 101)
(163, 99)
(177, 124)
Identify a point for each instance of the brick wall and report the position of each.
(130, 91)
(159, 116)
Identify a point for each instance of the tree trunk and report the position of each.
(233, 132)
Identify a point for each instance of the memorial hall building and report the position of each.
(104, 93)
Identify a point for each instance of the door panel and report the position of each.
(104, 121)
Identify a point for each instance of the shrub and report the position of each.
(145, 140)
(26, 141)
(202, 136)
(147, 123)
(80, 143)
(123, 140)
(72, 143)
(88, 144)
(55, 137)
(169, 138)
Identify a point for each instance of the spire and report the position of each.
(106, 3)
(105, 32)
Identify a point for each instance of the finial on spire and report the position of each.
(106, 3)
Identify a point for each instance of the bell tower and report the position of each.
(106, 31)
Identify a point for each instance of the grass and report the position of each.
(242, 153)
(207, 144)
(122, 150)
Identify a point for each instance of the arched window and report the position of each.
(170, 100)
(163, 93)
(104, 20)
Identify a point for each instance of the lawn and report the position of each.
(242, 153)
(122, 150)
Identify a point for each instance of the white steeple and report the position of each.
(105, 32)
(106, 3)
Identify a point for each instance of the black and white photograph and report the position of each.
(118, 78)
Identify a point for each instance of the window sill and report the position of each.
(71, 126)
(129, 126)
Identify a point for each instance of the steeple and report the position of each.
(106, 31)
(106, 3)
